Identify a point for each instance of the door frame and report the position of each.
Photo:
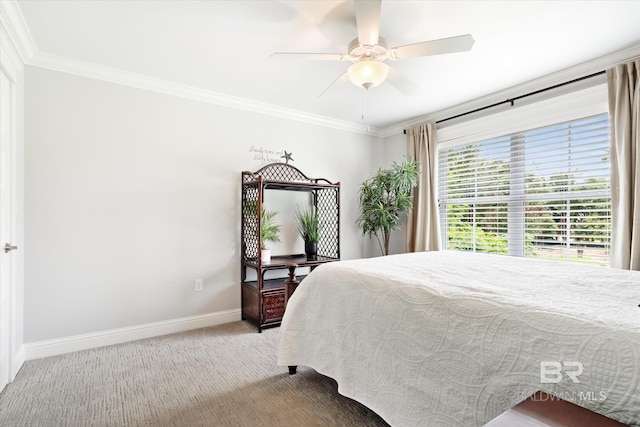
(10, 311)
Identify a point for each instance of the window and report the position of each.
(536, 193)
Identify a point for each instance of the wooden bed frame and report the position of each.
(554, 412)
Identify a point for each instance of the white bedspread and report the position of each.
(454, 339)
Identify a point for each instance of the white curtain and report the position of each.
(624, 114)
(423, 225)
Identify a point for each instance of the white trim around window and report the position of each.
(571, 106)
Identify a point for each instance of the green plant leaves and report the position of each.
(269, 230)
(309, 225)
(384, 197)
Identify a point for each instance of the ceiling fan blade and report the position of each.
(402, 82)
(311, 56)
(368, 21)
(342, 76)
(433, 47)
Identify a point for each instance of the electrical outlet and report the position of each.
(198, 285)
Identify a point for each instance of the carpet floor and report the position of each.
(219, 376)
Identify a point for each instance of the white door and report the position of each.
(6, 220)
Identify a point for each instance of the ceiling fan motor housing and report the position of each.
(361, 52)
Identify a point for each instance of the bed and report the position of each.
(456, 338)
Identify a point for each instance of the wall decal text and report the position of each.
(266, 155)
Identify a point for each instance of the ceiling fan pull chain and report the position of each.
(365, 107)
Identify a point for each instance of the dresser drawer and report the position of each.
(272, 306)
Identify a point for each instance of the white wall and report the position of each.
(130, 195)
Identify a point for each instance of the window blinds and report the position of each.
(540, 193)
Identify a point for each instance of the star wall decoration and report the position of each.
(287, 157)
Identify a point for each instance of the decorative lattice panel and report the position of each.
(328, 204)
(277, 172)
(250, 221)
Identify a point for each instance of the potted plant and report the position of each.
(383, 198)
(269, 232)
(309, 228)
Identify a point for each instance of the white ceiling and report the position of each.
(225, 46)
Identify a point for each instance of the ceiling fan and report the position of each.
(368, 52)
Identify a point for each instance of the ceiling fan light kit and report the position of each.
(368, 74)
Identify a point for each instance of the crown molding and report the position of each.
(14, 27)
(583, 69)
(10, 61)
(16, 30)
(139, 81)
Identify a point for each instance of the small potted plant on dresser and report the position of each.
(269, 232)
(309, 228)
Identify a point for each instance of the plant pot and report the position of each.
(311, 249)
(265, 256)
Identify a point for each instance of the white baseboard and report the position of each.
(17, 361)
(53, 347)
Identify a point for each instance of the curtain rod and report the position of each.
(512, 100)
